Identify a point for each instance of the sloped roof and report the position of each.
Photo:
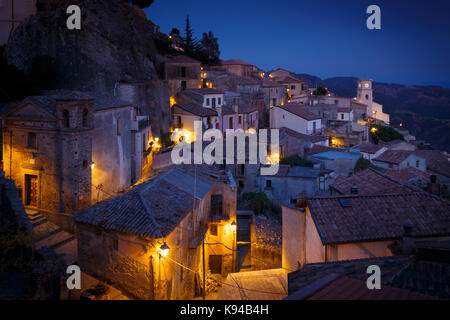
(204, 91)
(394, 156)
(311, 138)
(407, 174)
(372, 182)
(316, 149)
(181, 59)
(341, 287)
(48, 101)
(235, 61)
(299, 111)
(151, 209)
(290, 79)
(368, 147)
(358, 218)
(402, 271)
(436, 161)
(286, 170)
(195, 109)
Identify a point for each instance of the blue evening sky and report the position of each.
(326, 38)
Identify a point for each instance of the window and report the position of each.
(274, 101)
(116, 245)
(213, 102)
(213, 230)
(85, 164)
(207, 101)
(390, 165)
(231, 123)
(268, 183)
(240, 119)
(179, 236)
(85, 118)
(417, 163)
(242, 169)
(118, 126)
(322, 183)
(366, 85)
(367, 97)
(183, 72)
(32, 140)
(219, 101)
(216, 205)
(292, 87)
(66, 119)
(342, 116)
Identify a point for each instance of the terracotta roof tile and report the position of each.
(195, 109)
(298, 110)
(358, 218)
(372, 182)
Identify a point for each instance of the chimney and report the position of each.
(354, 190)
(407, 243)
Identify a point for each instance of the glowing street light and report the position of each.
(164, 249)
(233, 225)
(92, 165)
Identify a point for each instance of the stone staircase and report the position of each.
(50, 235)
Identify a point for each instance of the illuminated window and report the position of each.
(366, 85)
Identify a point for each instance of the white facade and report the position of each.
(281, 118)
(213, 100)
(364, 94)
(345, 115)
(411, 161)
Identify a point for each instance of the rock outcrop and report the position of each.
(114, 47)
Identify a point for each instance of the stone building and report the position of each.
(60, 146)
(239, 68)
(363, 226)
(182, 72)
(121, 238)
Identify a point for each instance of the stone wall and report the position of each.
(266, 243)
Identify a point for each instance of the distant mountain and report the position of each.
(423, 110)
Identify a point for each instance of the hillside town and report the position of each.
(87, 180)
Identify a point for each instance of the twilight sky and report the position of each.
(326, 38)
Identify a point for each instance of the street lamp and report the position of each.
(164, 249)
(233, 257)
(233, 225)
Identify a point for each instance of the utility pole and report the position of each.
(204, 269)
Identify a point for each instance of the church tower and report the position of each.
(364, 94)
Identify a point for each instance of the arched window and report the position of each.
(85, 118)
(66, 119)
(32, 140)
(367, 97)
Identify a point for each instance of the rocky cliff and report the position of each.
(114, 46)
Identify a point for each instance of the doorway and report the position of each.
(31, 190)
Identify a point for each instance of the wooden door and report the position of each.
(31, 190)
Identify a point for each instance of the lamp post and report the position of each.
(164, 249)
(233, 227)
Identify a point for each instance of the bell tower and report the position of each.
(364, 94)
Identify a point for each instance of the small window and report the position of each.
(219, 101)
(119, 126)
(417, 163)
(207, 101)
(268, 183)
(85, 118)
(66, 119)
(85, 164)
(240, 119)
(292, 87)
(213, 230)
(116, 244)
(367, 97)
(390, 165)
(342, 116)
(183, 72)
(32, 140)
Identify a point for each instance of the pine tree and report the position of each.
(191, 45)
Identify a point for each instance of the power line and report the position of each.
(220, 243)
